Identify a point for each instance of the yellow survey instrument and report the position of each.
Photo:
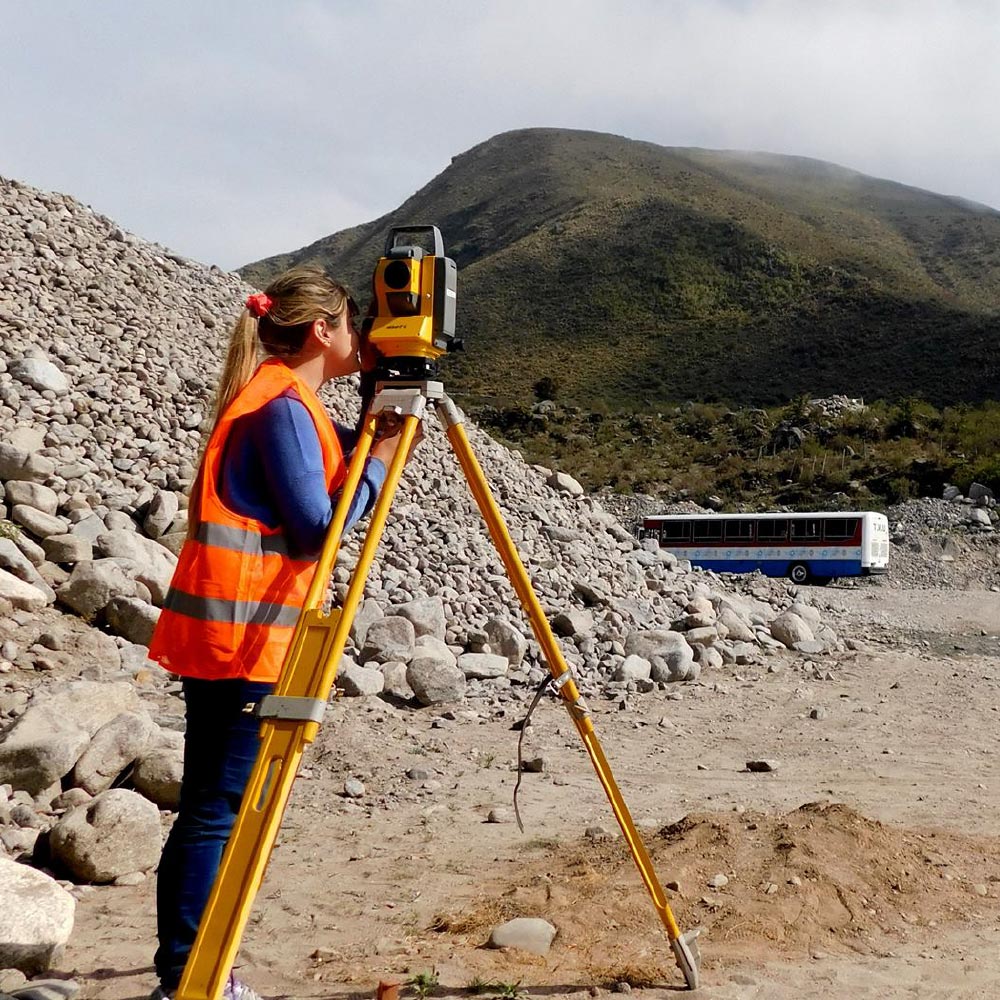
(290, 717)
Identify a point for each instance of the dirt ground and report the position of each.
(867, 864)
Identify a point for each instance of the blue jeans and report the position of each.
(220, 749)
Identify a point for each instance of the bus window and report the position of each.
(675, 531)
(707, 531)
(772, 530)
(806, 529)
(739, 531)
(840, 529)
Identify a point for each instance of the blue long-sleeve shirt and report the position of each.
(272, 470)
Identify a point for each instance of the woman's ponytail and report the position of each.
(241, 363)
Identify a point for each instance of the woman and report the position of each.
(258, 514)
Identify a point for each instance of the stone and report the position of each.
(633, 668)
(16, 463)
(21, 595)
(506, 640)
(118, 832)
(157, 775)
(389, 638)
(483, 666)
(92, 585)
(40, 524)
(573, 623)
(789, 629)
(131, 618)
(40, 374)
(434, 680)
(370, 611)
(531, 934)
(356, 681)
(114, 747)
(426, 615)
(67, 549)
(394, 680)
(161, 513)
(36, 918)
(42, 498)
(669, 654)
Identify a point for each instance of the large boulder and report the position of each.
(147, 561)
(115, 834)
(434, 680)
(92, 585)
(669, 654)
(426, 615)
(36, 918)
(389, 638)
(157, 774)
(507, 641)
(21, 595)
(789, 628)
(52, 734)
(114, 747)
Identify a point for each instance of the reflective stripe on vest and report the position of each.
(218, 609)
(223, 536)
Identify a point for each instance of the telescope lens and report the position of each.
(397, 274)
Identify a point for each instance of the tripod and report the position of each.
(291, 716)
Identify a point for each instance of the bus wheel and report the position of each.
(798, 573)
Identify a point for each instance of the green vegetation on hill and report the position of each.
(796, 455)
(639, 276)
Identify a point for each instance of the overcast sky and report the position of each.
(234, 129)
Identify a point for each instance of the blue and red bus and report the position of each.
(805, 547)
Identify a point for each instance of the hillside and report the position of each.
(638, 275)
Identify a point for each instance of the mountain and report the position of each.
(636, 275)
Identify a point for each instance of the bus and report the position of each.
(807, 548)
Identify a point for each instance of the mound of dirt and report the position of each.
(822, 878)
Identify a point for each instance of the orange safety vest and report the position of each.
(236, 593)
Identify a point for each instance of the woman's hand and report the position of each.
(388, 434)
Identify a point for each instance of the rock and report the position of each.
(633, 668)
(157, 775)
(669, 654)
(354, 789)
(40, 524)
(426, 615)
(14, 560)
(161, 513)
(115, 834)
(483, 665)
(500, 815)
(115, 746)
(21, 595)
(434, 680)
(564, 483)
(370, 611)
(15, 463)
(48, 739)
(132, 618)
(42, 498)
(40, 374)
(506, 640)
(789, 629)
(67, 549)
(389, 638)
(762, 765)
(356, 681)
(530, 934)
(92, 585)
(36, 918)
(577, 622)
(394, 680)
(143, 559)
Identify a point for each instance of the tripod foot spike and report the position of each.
(688, 957)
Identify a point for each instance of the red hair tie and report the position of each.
(259, 304)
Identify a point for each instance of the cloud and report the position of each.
(230, 132)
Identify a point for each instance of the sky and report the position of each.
(230, 130)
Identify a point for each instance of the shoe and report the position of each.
(236, 990)
(160, 994)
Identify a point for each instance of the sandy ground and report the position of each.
(865, 865)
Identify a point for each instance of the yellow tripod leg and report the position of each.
(683, 946)
(291, 718)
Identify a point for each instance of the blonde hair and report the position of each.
(299, 297)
